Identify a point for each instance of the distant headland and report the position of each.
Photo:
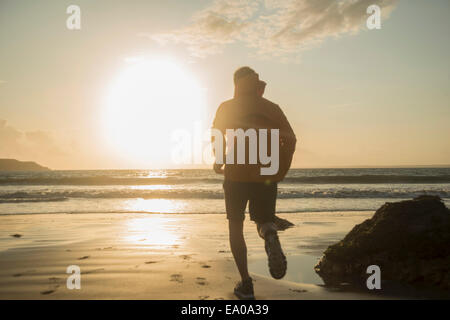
(16, 165)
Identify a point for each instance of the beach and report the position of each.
(159, 256)
(163, 234)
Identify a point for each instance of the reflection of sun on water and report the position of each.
(152, 187)
(155, 205)
(152, 230)
(156, 174)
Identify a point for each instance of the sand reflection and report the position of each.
(153, 230)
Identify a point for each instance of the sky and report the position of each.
(73, 99)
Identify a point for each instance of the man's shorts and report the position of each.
(261, 197)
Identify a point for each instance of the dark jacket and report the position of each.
(248, 110)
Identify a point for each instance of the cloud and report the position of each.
(212, 28)
(272, 28)
(9, 139)
(44, 142)
(38, 146)
(57, 149)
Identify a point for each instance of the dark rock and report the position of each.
(16, 165)
(408, 240)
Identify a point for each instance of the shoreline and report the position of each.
(318, 211)
(163, 256)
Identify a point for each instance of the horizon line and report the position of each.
(306, 167)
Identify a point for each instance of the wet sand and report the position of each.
(160, 256)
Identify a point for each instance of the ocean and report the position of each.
(200, 191)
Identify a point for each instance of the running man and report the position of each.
(244, 183)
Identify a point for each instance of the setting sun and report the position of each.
(145, 104)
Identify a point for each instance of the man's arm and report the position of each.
(218, 127)
(288, 142)
(218, 167)
(287, 134)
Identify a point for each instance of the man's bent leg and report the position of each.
(238, 246)
(266, 228)
(262, 208)
(262, 211)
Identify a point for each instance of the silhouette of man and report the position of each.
(244, 182)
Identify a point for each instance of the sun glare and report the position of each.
(145, 104)
(153, 230)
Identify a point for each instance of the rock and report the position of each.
(408, 240)
(16, 165)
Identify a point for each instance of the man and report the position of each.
(244, 182)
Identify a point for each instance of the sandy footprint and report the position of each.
(47, 292)
(93, 271)
(54, 284)
(28, 272)
(298, 290)
(201, 281)
(54, 279)
(176, 277)
(106, 248)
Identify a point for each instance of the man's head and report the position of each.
(243, 73)
(245, 81)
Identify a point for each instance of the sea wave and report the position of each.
(52, 196)
(369, 179)
(327, 179)
(32, 200)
